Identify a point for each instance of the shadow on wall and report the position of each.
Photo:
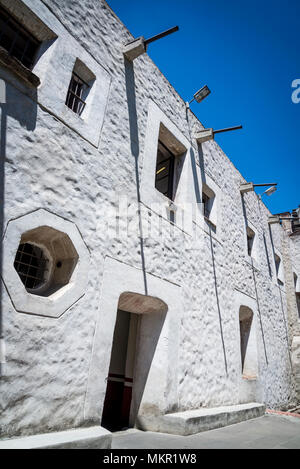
(135, 150)
(255, 282)
(149, 335)
(246, 319)
(199, 200)
(217, 298)
(14, 106)
(198, 193)
(195, 177)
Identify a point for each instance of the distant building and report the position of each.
(138, 280)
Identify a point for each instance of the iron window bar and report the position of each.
(74, 97)
(30, 264)
(17, 40)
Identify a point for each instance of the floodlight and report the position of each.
(200, 95)
(271, 190)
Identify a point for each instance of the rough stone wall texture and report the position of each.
(292, 260)
(50, 166)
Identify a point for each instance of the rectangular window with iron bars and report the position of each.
(77, 90)
(17, 40)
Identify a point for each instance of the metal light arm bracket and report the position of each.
(274, 219)
(138, 46)
(249, 186)
(209, 134)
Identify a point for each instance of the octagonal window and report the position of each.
(31, 265)
(45, 260)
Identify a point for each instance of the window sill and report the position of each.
(16, 67)
(68, 111)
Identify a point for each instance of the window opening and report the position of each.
(250, 240)
(278, 265)
(17, 40)
(31, 265)
(164, 180)
(76, 90)
(206, 205)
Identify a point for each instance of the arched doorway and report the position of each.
(138, 317)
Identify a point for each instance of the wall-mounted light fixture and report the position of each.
(138, 46)
(200, 95)
(270, 191)
(209, 134)
(276, 219)
(273, 219)
(249, 187)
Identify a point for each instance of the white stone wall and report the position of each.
(50, 164)
(293, 248)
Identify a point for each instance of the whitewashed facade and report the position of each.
(82, 188)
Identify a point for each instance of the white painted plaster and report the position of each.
(56, 367)
(160, 391)
(57, 303)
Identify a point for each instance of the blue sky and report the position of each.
(248, 53)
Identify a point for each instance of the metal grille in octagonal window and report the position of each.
(31, 265)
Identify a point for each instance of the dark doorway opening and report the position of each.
(117, 404)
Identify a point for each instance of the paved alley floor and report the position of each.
(267, 432)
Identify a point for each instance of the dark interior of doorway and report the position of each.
(116, 411)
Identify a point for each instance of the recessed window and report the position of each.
(245, 327)
(31, 265)
(206, 205)
(278, 266)
(41, 268)
(75, 94)
(297, 293)
(17, 40)
(295, 280)
(209, 206)
(170, 157)
(79, 88)
(250, 241)
(277, 263)
(247, 343)
(298, 303)
(164, 179)
(45, 260)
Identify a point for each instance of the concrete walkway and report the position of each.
(267, 432)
